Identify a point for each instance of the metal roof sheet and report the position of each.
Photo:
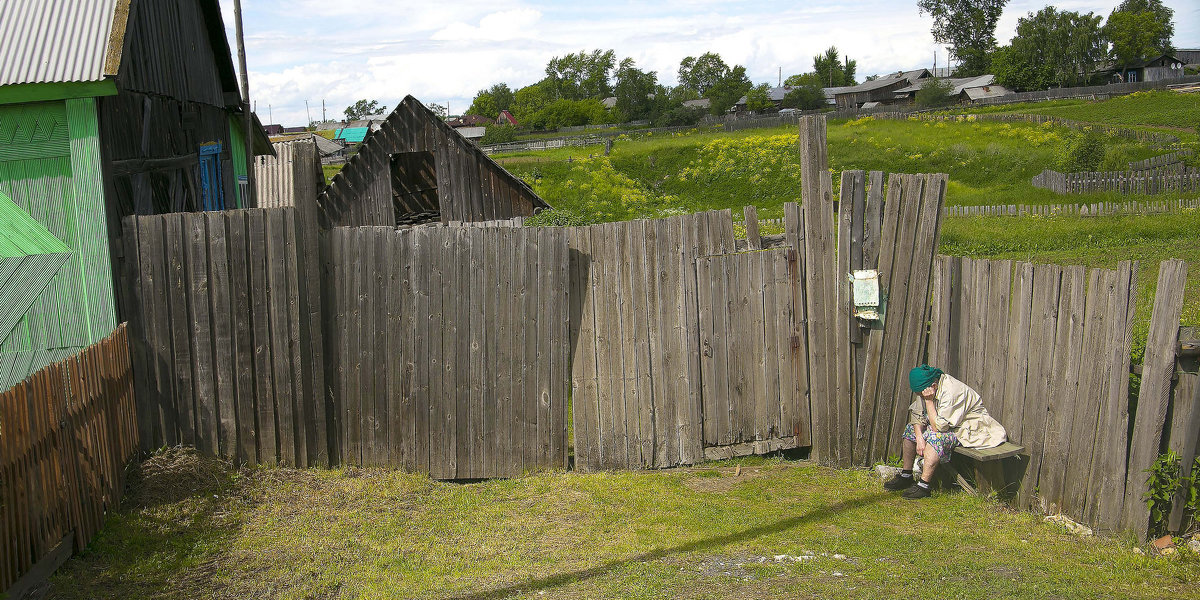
(45, 41)
(351, 135)
(22, 235)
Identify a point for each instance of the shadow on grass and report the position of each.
(561, 579)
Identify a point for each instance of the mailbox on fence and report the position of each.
(869, 300)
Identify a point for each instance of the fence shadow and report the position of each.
(561, 579)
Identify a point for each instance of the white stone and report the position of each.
(1071, 526)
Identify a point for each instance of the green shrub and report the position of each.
(557, 217)
(1083, 153)
(935, 93)
(499, 134)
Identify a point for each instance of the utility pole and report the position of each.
(307, 114)
(270, 112)
(249, 133)
(780, 77)
(323, 119)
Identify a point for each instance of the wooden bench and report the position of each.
(989, 467)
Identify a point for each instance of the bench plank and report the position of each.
(1004, 450)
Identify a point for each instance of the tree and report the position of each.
(805, 97)
(934, 93)
(831, 72)
(363, 108)
(502, 95)
(728, 90)
(1051, 48)
(439, 110)
(703, 73)
(758, 98)
(969, 26)
(800, 79)
(582, 75)
(530, 99)
(635, 90)
(484, 104)
(1139, 29)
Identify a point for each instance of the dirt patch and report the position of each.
(721, 479)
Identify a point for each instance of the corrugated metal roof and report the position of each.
(22, 235)
(44, 41)
(987, 91)
(351, 135)
(293, 176)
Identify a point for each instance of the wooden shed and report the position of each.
(109, 108)
(416, 169)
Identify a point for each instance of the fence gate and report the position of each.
(751, 362)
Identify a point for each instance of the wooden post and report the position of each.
(753, 239)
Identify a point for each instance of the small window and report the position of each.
(415, 188)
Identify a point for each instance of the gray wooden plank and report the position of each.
(1087, 403)
(222, 334)
(181, 342)
(753, 238)
(1017, 366)
(1064, 389)
(768, 413)
(1154, 394)
(532, 309)
(583, 358)
(798, 416)
(202, 351)
(479, 297)
(277, 294)
(1185, 431)
(264, 374)
(243, 346)
(462, 301)
(559, 344)
(1047, 279)
(852, 184)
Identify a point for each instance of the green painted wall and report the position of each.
(50, 167)
(237, 142)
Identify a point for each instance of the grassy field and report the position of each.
(988, 163)
(1176, 111)
(197, 529)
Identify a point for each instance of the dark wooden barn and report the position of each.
(416, 169)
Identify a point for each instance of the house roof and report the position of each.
(506, 117)
(700, 103)
(22, 235)
(470, 121)
(885, 81)
(55, 41)
(957, 83)
(987, 91)
(776, 94)
(351, 135)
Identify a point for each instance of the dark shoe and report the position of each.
(917, 492)
(897, 483)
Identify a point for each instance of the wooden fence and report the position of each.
(1048, 348)
(1158, 180)
(66, 434)
(450, 349)
(227, 335)
(1172, 158)
(1096, 209)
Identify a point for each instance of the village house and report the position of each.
(126, 107)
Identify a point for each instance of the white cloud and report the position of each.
(495, 27)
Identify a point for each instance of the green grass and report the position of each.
(1156, 108)
(699, 533)
(657, 176)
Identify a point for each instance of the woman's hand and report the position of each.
(920, 445)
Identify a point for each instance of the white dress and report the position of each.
(959, 409)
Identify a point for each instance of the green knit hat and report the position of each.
(922, 377)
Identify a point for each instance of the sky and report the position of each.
(444, 52)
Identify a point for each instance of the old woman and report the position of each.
(947, 413)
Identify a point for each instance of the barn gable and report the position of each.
(416, 168)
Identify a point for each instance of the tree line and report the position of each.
(575, 86)
(1052, 47)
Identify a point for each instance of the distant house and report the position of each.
(470, 121)
(1161, 67)
(329, 150)
(1189, 56)
(964, 89)
(108, 108)
(351, 136)
(882, 90)
(776, 95)
(832, 92)
(416, 169)
(507, 118)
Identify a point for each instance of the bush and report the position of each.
(557, 217)
(680, 115)
(804, 97)
(1083, 153)
(499, 134)
(935, 93)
